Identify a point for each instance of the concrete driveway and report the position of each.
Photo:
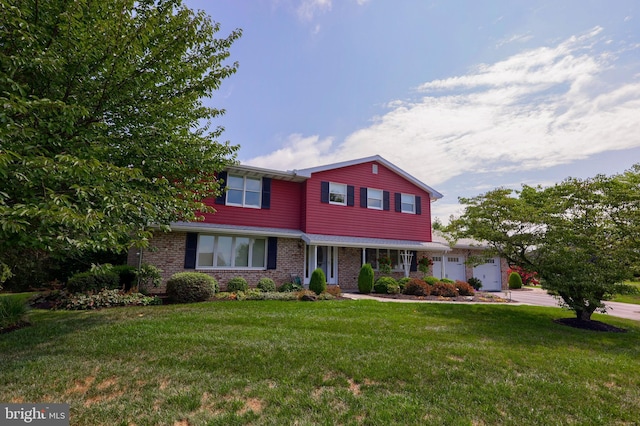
(534, 297)
(539, 297)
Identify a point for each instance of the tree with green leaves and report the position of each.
(580, 236)
(103, 129)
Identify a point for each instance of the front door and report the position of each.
(325, 258)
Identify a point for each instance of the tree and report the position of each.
(580, 236)
(103, 131)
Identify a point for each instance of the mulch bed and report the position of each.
(14, 327)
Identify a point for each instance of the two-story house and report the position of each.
(285, 224)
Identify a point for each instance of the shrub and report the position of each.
(464, 288)
(84, 282)
(290, 288)
(365, 279)
(149, 275)
(402, 282)
(334, 290)
(417, 287)
(393, 288)
(186, 287)
(107, 299)
(237, 284)
(447, 281)
(444, 289)
(318, 282)
(266, 285)
(515, 281)
(431, 280)
(12, 312)
(476, 283)
(126, 275)
(382, 284)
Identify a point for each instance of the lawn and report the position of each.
(629, 298)
(329, 362)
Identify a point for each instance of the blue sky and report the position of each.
(466, 96)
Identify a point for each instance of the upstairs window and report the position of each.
(408, 203)
(374, 199)
(243, 191)
(337, 193)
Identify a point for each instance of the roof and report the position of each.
(304, 174)
(432, 192)
(462, 243)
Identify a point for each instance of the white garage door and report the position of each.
(489, 274)
(454, 267)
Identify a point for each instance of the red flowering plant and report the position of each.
(423, 264)
(384, 264)
(528, 277)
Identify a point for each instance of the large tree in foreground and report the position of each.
(580, 236)
(102, 127)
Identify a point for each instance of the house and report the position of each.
(285, 224)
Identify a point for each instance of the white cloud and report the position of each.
(537, 109)
(308, 9)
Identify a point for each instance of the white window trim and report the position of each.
(387, 252)
(334, 185)
(402, 204)
(244, 193)
(381, 199)
(252, 240)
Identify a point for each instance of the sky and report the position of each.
(466, 96)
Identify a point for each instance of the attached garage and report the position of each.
(489, 274)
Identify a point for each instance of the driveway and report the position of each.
(534, 297)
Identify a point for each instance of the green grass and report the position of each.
(330, 362)
(629, 298)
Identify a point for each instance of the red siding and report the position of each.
(356, 221)
(285, 211)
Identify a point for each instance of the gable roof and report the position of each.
(376, 158)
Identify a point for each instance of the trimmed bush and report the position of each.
(382, 285)
(126, 274)
(393, 289)
(402, 282)
(237, 284)
(444, 289)
(84, 282)
(431, 280)
(187, 287)
(266, 285)
(515, 281)
(290, 287)
(447, 281)
(365, 279)
(318, 282)
(417, 287)
(476, 283)
(464, 289)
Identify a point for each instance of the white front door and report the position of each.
(325, 258)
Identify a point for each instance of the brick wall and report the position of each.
(167, 250)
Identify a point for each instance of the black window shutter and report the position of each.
(398, 202)
(266, 193)
(418, 204)
(272, 252)
(324, 192)
(363, 197)
(366, 255)
(385, 200)
(191, 247)
(222, 176)
(414, 262)
(351, 195)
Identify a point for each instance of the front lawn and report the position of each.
(329, 362)
(629, 298)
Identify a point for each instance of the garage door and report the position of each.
(454, 267)
(489, 274)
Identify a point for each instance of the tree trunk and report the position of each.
(584, 314)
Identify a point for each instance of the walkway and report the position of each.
(534, 297)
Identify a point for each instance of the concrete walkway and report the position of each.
(534, 297)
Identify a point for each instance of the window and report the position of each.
(408, 203)
(374, 199)
(337, 193)
(453, 259)
(437, 258)
(223, 251)
(243, 191)
(372, 256)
